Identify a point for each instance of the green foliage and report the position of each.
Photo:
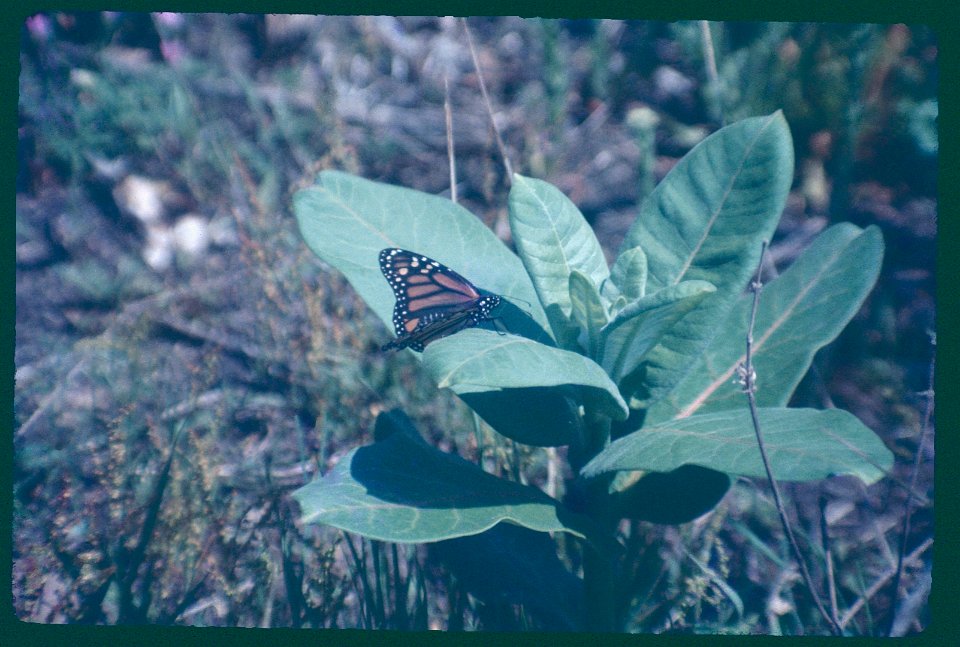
(803, 445)
(670, 497)
(264, 358)
(480, 361)
(629, 273)
(552, 239)
(921, 123)
(111, 112)
(587, 309)
(640, 325)
(346, 221)
(662, 330)
(707, 223)
(802, 310)
(403, 490)
(528, 573)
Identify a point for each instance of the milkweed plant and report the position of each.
(632, 366)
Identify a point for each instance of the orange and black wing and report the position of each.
(433, 301)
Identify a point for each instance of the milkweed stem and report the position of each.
(750, 388)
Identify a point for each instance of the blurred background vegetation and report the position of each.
(183, 362)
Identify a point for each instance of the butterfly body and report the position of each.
(433, 301)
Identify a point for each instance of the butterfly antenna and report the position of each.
(513, 298)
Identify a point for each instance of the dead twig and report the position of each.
(879, 584)
(908, 505)
(486, 100)
(825, 540)
(448, 116)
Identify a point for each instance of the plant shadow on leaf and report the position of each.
(671, 497)
(405, 470)
(539, 416)
(402, 489)
(620, 428)
(518, 322)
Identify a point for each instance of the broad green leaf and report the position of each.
(640, 325)
(799, 312)
(553, 238)
(629, 273)
(802, 445)
(480, 361)
(510, 563)
(401, 489)
(706, 221)
(588, 309)
(347, 220)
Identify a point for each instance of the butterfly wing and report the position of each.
(431, 329)
(433, 301)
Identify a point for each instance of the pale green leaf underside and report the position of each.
(553, 238)
(478, 360)
(802, 444)
(629, 273)
(639, 325)
(588, 309)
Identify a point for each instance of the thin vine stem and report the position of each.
(750, 388)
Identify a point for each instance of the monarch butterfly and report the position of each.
(433, 301)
